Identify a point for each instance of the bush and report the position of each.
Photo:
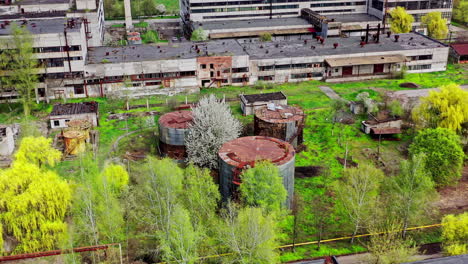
(262, 85)
(455, 234)
(444, 154)
(265, 37)
(199, 34)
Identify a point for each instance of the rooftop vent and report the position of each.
(335, 45)
(389, 34)
(396, 38)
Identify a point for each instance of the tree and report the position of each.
(412, 191)
(436, 25)
(388, 247)
(395, 108)
(149, 8)
(262, 186)
(213, 124)
(455, 234)
(161, 9)
(201, 195)
(249, 235)
(180, 245)
(265, 37)
(444, 155)
(199, 34)
(116, 177)
(18, 65)
(447, 108)
(33, 205)
(460, 11)
(400, 20)
(357, 194)
(37, 151)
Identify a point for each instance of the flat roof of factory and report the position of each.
(252, 23)
(43, 26)
(349, 18)
(258, 50)
(42, 2)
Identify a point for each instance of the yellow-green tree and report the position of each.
(460, 11)
(33, 203)
(455, 234)
(436, 25)
(37, 151)
(400, 21)
(447, 108)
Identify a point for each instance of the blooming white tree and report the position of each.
(212, 126)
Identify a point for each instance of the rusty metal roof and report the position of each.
(264, 97)
(256, 148)
(177, 119)
(281, 114)
(386, 130)
(75, 108)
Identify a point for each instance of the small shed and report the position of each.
(64, 113)
(251, 102)
(459, 52)
(382, 127)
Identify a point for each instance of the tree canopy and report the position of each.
(18, 65)
(444, 154)
(436, 25)
(455, 234)
(37, 151)
(401, 21)
(262, 186)
(199, 34)
(34, 201)
(460, 11)
(213, 124)
(447, 108)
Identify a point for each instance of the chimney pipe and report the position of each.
(378, 33)
(367, 34)
(128, 15)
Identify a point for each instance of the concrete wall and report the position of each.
(7, 142)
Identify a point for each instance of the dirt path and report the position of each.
(454, 199)
(329, 92)
(117, 141)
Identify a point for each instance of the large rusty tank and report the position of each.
(75, 142)
(173, 127)
(242, 153)
(280, 121)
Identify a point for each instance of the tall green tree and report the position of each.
(444, 154)
(455, 234)
(412, 191)
(262, 186)
(436, 25)
(447, 108)
(250, 235)
(400, 20)
(199, 34)
(357, 194)
(33, 204)
(19, 66)
(460, 11)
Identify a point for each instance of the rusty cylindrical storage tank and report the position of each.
(75, 141)
(280, 121)
(173, 127)
(236, 154)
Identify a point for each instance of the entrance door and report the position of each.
(347, 71)
(378, 68)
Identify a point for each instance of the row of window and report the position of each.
(60, 75)
(57, 62)
(290, 66)
(251, 2)
(336, 11)
(251, 15)
(419, 67)
(57, 49)
(293, 76)
(147, 76)
(421, 57)
(338, 4)
(247, 8)
(413, 5)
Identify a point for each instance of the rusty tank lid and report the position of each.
(256, 148)
(177, 119)
(274, 113)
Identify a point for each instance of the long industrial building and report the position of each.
(75, 64)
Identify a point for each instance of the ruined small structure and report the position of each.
(280, 121)
(242, 153)
(7, 140)
(173, 128)
(382, 125)
(64, 113)
(251, 102)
